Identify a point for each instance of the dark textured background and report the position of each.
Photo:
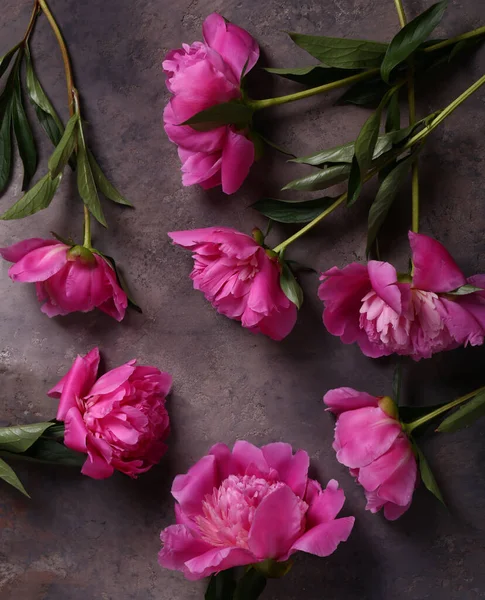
(79, 539)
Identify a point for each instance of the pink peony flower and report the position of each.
(118, 420)
(239, 279)
(368, 304)
(66, 279)
(200, 76)
(371, 442)
(247, 506)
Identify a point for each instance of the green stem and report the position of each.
(400, 12)
(30, 27)
(409, 427)
(65, 54)
(259, 104)
(409, 144)
(267, 102)
(87, 228)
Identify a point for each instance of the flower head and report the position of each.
(67, 279)
(368, 304)
(239, 279)
(370, 441)
(249, 505)
(118, 420)
(199, 76)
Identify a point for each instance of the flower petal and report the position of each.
(39, 264)
(217, 560)
(91, 364)
(326, 506)
(112, 380)
(345, 398)
(292, 468)
(323, 539)
(237, 158)
(383, 278)
(17, 251)
(190, 489)
(179, 546)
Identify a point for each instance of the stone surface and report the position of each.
(82, 539)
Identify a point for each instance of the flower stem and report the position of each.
(30, 27)
(267, 102)
(441, 116)
(400, 12)
(64, 53)
(409, 427)
(87, 228)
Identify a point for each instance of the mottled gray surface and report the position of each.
(79, 539)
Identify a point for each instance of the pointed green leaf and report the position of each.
(288, 211)
(393, 119)
(367, 93)
(385, 197)
(8, 475)
(37, 198)
(227, 113)
(85, 181)
(65, 147)
(427, 475)
(466, 415)
(46, 113)
(250, 586)
(291, 288)
(410, 37)
(322, 180)
(464, 290)
(314, 75)
(24, 137)
(5, 60)
(5, 143)
(104, 185)
(19, 438)
(341, 52)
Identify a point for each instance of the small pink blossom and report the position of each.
(200, 76)
(239, 279)
(118, 420)
(371, 442)
(368, 304)
(66, 279)
(248, 505)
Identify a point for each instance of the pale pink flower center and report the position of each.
(418, 329)
(229, 511)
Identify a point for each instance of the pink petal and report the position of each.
(112, 380)
(97, 464)
(190, 489)
(190, 139)
(292, 469)
(399, 486)
(276, 524)
(345, 398)
(279, 323)
(237, 158)
(17, 251)
(40, 264)
(394, 511)
(91, 364)
(434, 268)
(236, 46)
(223, 458)
(326, 506)
(75, 430)
(323, 539)
(245, 455)
(217, 560)
(199, 167)
(179, 546)
(460, 317)
(383, 278)
(116, 305)
(363, 435)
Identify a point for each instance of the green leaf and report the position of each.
(345, 153)
(103, 184)
(250, 586)
(367, 93)
(23, 135)
(221, 586)
(288, 211)
(46, 113)
(427, 475)
(364, 150)
(227, 113)
(121, 281)
(56, 431)
(19, 438)
(465, 290)
(65, 147)
(466, 415)
(314, 75)
(37, 198)
(8, 475)
(85, 181)
(291, 288)
(49, 451)
(5, 143)
(341, 52)
(393, 119)
(410, 37)
(5, 60)
(325, 178)
(385, 197)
